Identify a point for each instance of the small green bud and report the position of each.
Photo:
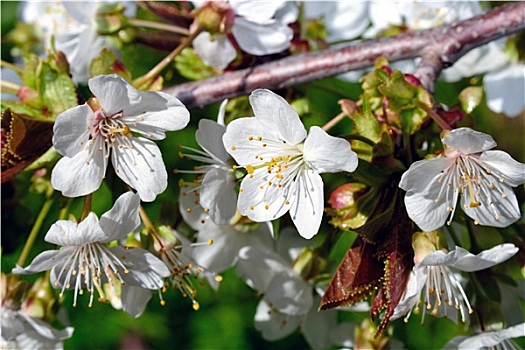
(470, 98)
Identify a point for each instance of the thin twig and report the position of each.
(451, 41)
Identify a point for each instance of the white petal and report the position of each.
(42, 262)
(412, 294)
(468, 262)
(217, 194)
(134, 300)
(289, 294)
(156, 113)
(190, 209)
(343, 335)
(266, 204)
(505, 90)
(241, 140)
(113, 93)
(306, 210)
(491, 339)
(317, 327)
(67, 233)
(71, 130)
(469, 141)
(217, 53)
(145, 269)
(82, 11)
(82, 174)
(494, 211)
(209, 137)
(262, 39)
(258, 266)
(141, 168)
(46, 330)
(272, 324)
(256, 11)
(274, 113)
(223, 252)
(122, 219)
(328, 154)
(512, 171)
(422, 175)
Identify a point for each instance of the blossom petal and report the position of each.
(223, 252)
(272, 324)
(306, 209)
(217, 194)
(113, 93)
(462, 259)
(217, 52)
(122, 219)
(135, 300)
(262, 39)
(209, 137)
(46, 330)
(241, 140)
(328, 154)
(412, 294)
(274, 113)
(192, 212)
(67, 233)
(141, 167)
(83, 173)
(289, 294)
(255, 11)
(145, 269)
(156, 113)
(267, 203)
(422, 175)
(42, 262)
(258, 266)
(492, 339)
(505, 89)
(317, 327)
(71, 130)
(502, 164)
(468, 141)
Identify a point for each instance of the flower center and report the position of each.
(90, 266)
(109, 127)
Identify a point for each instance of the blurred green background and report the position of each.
(225, 317)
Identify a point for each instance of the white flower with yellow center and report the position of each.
(87, 138)
(434, 281)
(483, 180)
(283, 163)
(85, 261)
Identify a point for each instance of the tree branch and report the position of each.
(440, 47)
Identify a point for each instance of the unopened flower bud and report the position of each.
(425, 243)
(308, 264)
(215, 17)
(40, 300)
(350, 205)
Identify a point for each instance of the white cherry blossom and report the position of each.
(21, 331)
(469, 170)
(258, 27)
(500, 339)
(87, 138)
(505, 89)
(284, 163)
(434, 281)
(71, 24)
(86, 262)
(213, 190)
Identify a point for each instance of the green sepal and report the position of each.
(107, 63)
(190, 66)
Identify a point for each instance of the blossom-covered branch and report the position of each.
(451, 41)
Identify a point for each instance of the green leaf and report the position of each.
(190, 66)
(56, 90)
(107, 63)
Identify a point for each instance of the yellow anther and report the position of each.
(249, 169)
(266, 207)
(259, 138)
(251, 207)
(233, 148)
(210, 241)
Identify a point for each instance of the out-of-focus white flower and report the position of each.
(215, 185)
(505, 89)
(258, 27)
(86, 262)
(482, 178)
(283, 163)
(228, 240)
(488, 340)
(433, 280)
(21, 331)
(71, 24)
(87, 138)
